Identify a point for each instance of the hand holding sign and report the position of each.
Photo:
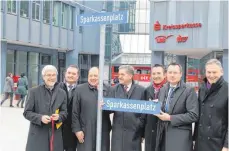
(127, 105)
(164, 116)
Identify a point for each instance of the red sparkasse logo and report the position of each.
(181, 39)
(162, 39)
(157, 26)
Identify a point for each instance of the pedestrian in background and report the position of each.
(8, 89)
(22, 87)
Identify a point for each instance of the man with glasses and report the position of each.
(46, 109)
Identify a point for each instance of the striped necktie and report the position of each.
(169, 99)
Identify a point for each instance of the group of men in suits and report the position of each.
(171, 130)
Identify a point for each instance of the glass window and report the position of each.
(56, 6)
(33, 75)
(24, 10)
(21, 62)
(64, 14)
(33, 69)
(46, 12)
(10, 56)
(2, 3)
(71, 14)
(33, 58)
(36, 10)
(12, 6)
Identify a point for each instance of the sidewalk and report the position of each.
(7, 102)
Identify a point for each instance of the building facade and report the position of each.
(37, 33)
(194, 31)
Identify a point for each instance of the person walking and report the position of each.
(22, 87)
(8, 89)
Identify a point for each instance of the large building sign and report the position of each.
(179, 38)
(158, 26)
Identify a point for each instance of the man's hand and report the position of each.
(101, 104)
(80, 136)
(225, 149)
(45, 119)
(163, 116)
(55, 117)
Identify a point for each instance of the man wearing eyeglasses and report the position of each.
(46, 109)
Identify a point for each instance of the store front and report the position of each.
(194, 31)
(19, 59)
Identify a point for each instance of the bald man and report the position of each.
(84, 114)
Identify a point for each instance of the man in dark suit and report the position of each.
(69, 86)
(151, 93)
(127, 128)
(179, 110)
(84, 114)
(46, 109)
(211, 131)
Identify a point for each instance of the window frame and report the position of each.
(27, 10)
(44, 14)
(39, 10)
(11, 7)
(64, 15)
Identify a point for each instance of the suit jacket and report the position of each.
(69, 138)
(211, 131)
(151, 123)
(184, 111)
(128, 128)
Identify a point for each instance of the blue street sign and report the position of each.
(136, 106)
(120, 17)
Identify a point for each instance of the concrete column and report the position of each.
(225, 64)
(3, 64)
(157, 57)
(182, 60)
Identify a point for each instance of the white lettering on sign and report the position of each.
(109, 18)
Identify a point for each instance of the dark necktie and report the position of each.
(126, 88)
(169, 99)
(70, 91)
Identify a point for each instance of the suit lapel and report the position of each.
(55, 92)
(151, 92)
(178, 92)
(131, 90)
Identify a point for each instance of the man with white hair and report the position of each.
(46, 109)
(211, 131)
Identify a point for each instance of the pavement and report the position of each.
(14, 128)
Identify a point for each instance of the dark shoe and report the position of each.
(11, 106)
(22, 107)
(17, 105)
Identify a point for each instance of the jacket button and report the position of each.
(202, 104)
(200, 125)
(212, 106)
(201, 114)
(152, 131)
(209, 127)
(210, 116)
(209, 138)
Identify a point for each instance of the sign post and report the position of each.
(101, 19)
